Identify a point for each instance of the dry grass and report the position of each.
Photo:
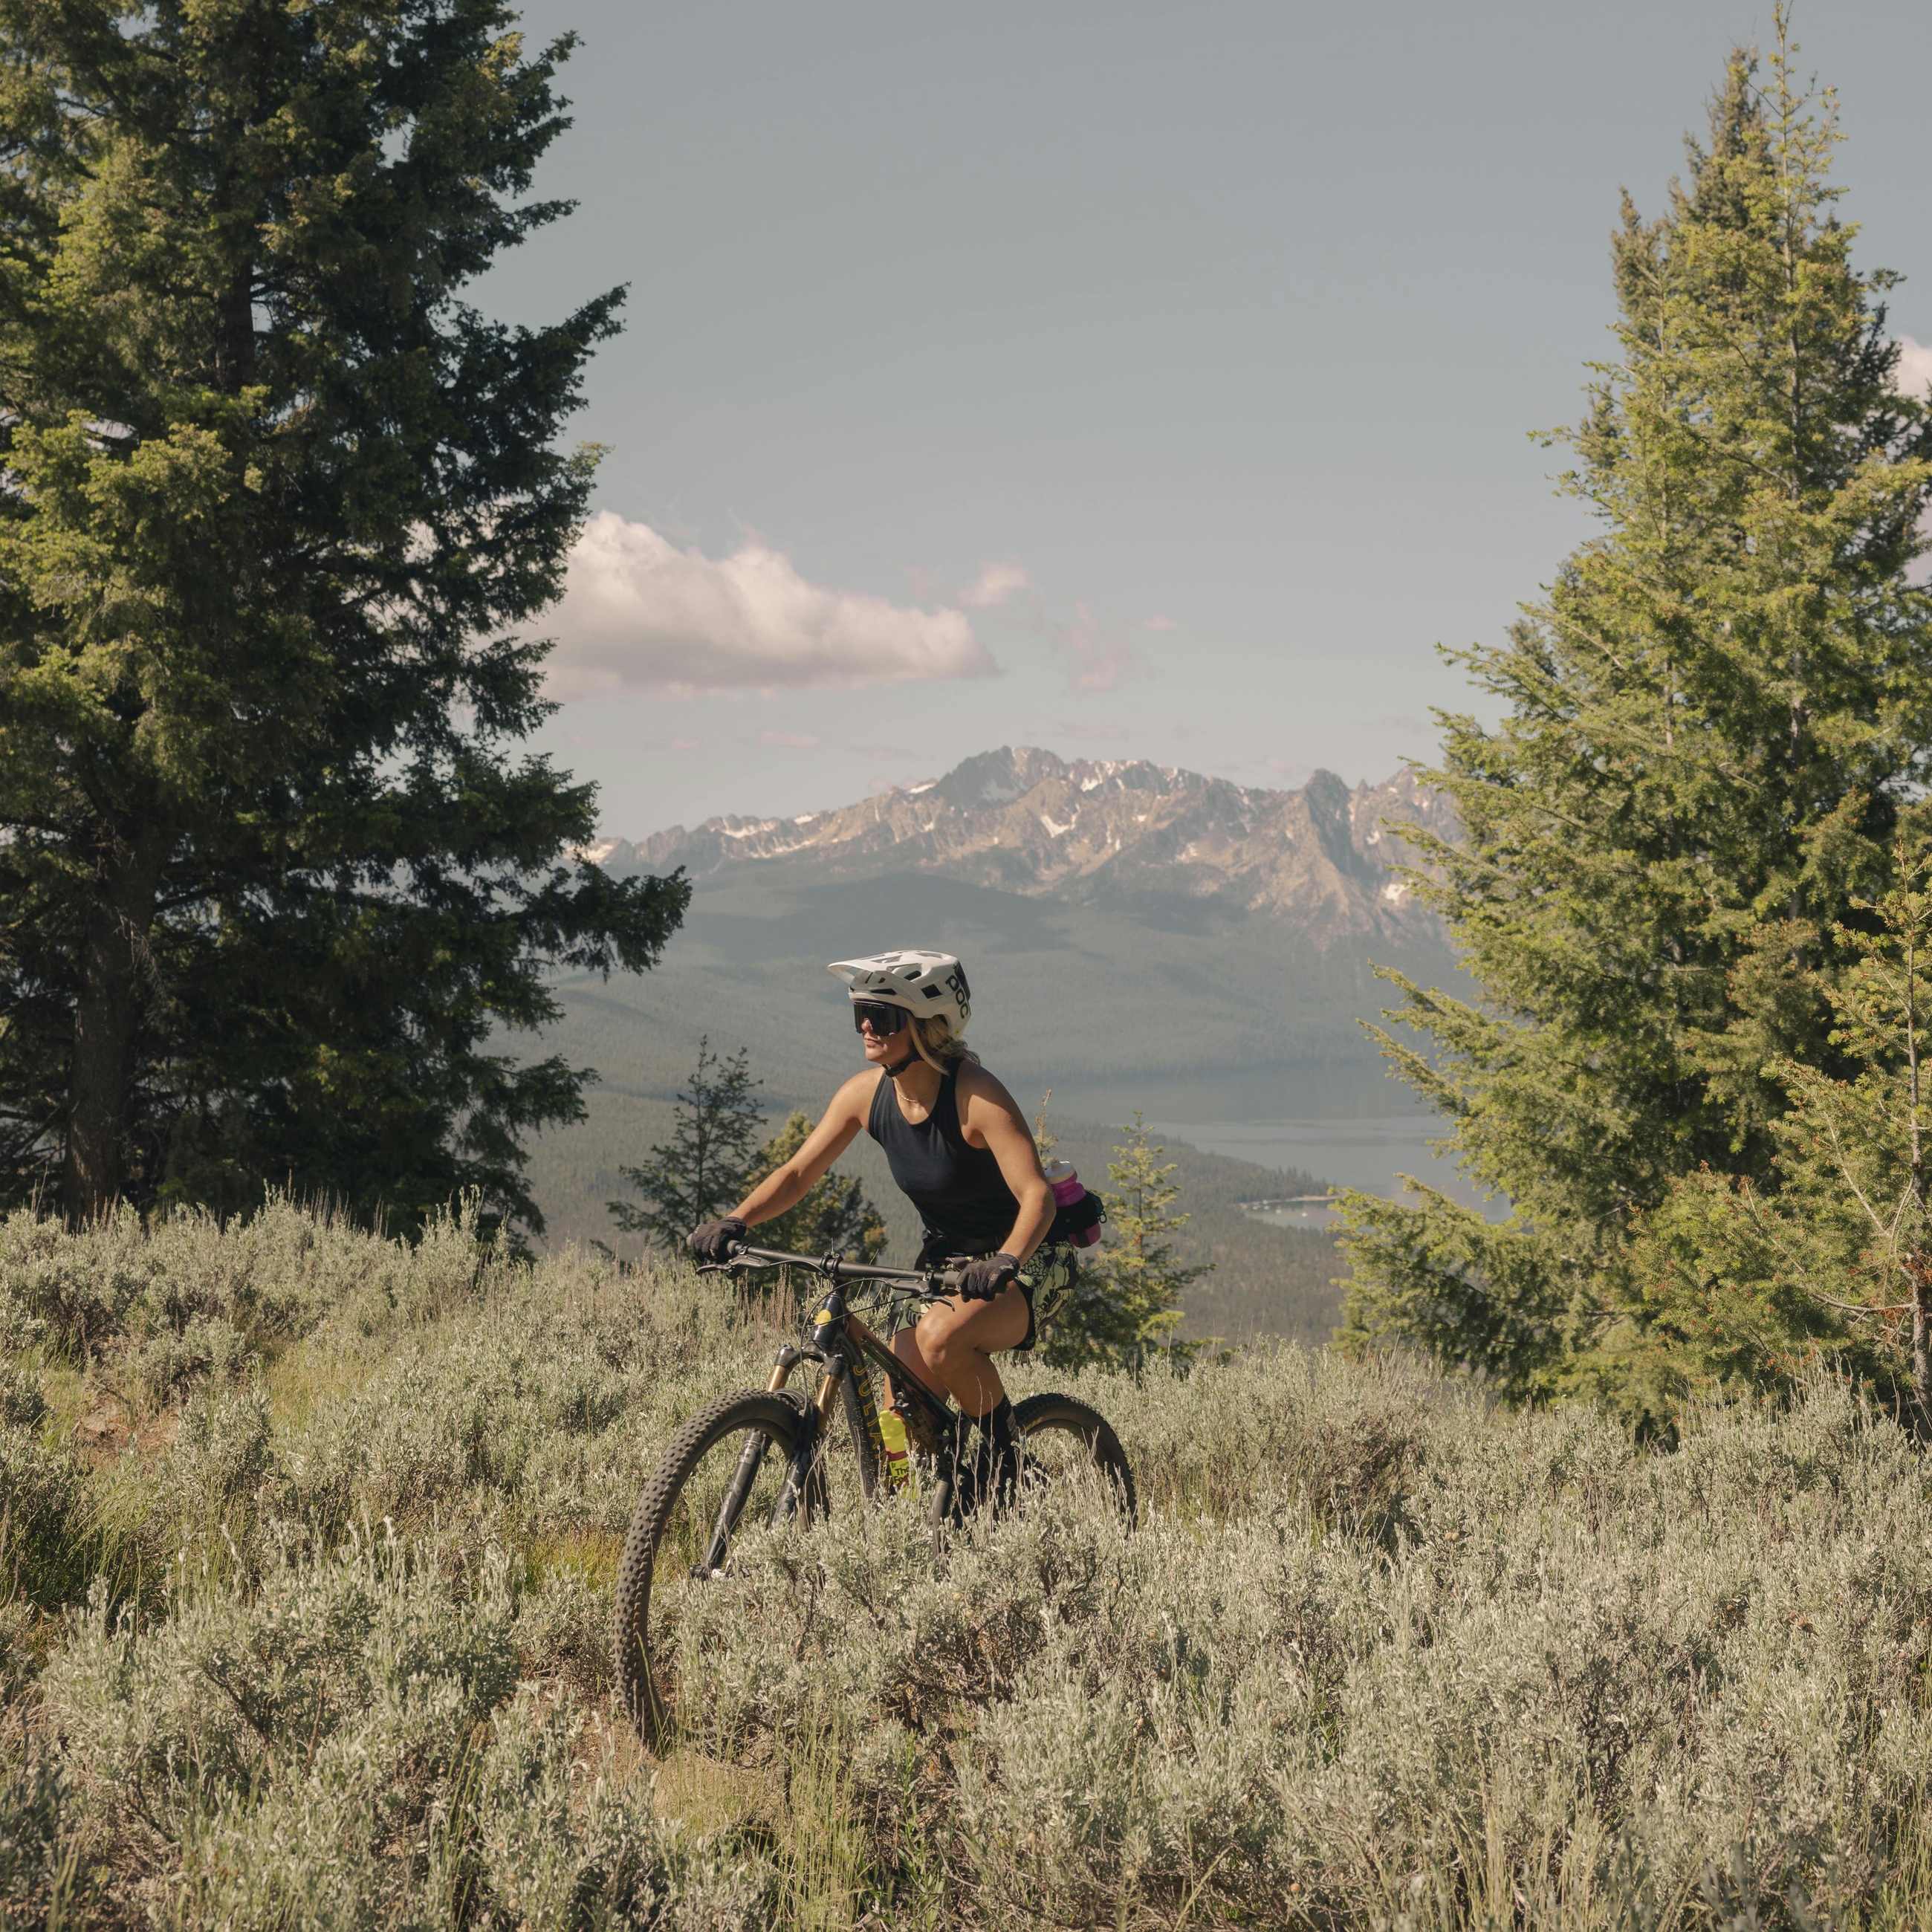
(314, 1634)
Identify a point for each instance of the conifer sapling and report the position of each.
(707, 1166)
(1127, 1300)
(832, 1216)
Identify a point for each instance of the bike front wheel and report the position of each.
(734, 1467)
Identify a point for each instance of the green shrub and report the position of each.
(41, 1510)
(32, 1795)
(23, 1404)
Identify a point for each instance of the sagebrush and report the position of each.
(309, 1538)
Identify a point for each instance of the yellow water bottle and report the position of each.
(891, 1431)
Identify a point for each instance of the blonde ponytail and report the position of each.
(934, 1040)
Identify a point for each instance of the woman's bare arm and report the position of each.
(785, 1187)
(989, 1118)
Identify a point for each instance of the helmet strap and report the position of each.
(895, 1071)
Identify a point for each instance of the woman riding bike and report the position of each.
(961, 1152)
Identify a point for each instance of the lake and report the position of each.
(1348, 1151)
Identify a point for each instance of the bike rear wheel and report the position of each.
(1063, 1439)
(729, 1469)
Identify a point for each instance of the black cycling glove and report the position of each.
(983, 1277)
(714, 1241)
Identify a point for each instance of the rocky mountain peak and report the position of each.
(1024, 821)
(993, 778)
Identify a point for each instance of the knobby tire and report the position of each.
(783, 1417)
(1040, 1416)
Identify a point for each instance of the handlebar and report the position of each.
(930, 1285)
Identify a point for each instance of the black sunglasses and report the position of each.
(883, 1019)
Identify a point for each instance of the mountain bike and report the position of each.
(759, 1457)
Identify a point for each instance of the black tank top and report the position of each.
(958, 1189)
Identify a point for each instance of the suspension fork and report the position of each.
(750, 1462)
(817, 1421)
(818, 1418)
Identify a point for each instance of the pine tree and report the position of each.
(709, 1164)
(833, 1216)
(280, 507)
(1708, 727)
(1126, 1302)
(1744, 1287)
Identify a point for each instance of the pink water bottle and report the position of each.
(1081, 1227)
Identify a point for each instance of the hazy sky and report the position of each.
(1135, 380)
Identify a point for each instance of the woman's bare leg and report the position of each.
(953, 1346)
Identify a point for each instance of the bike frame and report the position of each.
(842, 1345)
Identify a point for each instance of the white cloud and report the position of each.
(995, 584)
(1915, 367)
(639, 613)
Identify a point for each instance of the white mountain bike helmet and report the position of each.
(921, 982)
